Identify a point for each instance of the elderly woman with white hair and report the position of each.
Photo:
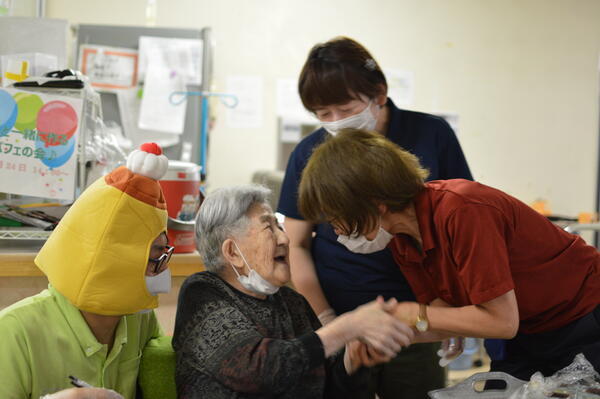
(241, 333)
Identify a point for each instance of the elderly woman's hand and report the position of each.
(371, 323)
(359, 354)
(376, 326)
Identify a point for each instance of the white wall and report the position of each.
(522, 75)
(23, 8)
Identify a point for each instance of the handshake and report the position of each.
(380, 329)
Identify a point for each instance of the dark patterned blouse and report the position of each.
(233, 345)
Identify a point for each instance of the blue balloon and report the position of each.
(58, 155)
(8, 113)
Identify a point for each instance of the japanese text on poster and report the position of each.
(38, 142)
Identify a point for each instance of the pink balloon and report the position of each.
(56, 123)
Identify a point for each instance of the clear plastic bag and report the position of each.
(100, 147)
(578, 380)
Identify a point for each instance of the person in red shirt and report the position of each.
(480, 262)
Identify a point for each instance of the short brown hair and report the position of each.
(351, 174)
(336, 72)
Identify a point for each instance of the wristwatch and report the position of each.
(422, 323)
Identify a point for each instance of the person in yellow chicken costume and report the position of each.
(106, 261)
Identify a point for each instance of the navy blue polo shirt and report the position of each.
(349, 279)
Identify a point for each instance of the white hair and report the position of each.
(223, 215)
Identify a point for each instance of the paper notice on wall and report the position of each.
(157, 112)
(129, 109)
(166, 65)
(289, 104)
(109, 67)
(38, 143)
(249, 110)
(181, 55)
(401, 86)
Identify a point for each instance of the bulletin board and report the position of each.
(129, 37)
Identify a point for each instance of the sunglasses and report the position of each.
(161, 262)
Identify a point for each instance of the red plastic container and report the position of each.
(181, 186)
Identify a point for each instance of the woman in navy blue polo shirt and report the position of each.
(342, 84)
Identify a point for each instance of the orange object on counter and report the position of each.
(587, 217)
(541, 206)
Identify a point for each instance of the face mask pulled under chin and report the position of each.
(361, 245)
(363, 120)
(254, 282)
(159, 284)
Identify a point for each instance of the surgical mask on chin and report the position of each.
(253, 281)
(159, 284)
(363, 120)
(361, 245)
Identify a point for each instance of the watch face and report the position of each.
(422, 325)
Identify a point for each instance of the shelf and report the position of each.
(20, 264)
(23, 234)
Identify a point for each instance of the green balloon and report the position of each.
(28, 106)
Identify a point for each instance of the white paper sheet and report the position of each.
(401, 86)
(109, 67)
(181, 55)
(157, 112)
(166, 65)
(289, 104)
(129, 109)
(249, 111)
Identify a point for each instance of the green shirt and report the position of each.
(44, 339)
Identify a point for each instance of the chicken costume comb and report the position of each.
(97, 255)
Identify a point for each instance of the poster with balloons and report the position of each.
(38, 143)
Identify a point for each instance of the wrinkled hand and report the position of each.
(451, 349)
(379, 329)
(85, 393)
(359, 354)
(371, 357)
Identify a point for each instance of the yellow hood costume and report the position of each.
(98, 254)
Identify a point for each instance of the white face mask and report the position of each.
(253, 281)
(363, 120)
(361, 245)
(159, 284)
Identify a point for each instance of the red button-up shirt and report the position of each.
(480, 243)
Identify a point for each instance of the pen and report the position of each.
(79, 383)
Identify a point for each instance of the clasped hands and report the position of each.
(381, 334)
(372, 348)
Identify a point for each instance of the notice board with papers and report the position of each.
(116, 40)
